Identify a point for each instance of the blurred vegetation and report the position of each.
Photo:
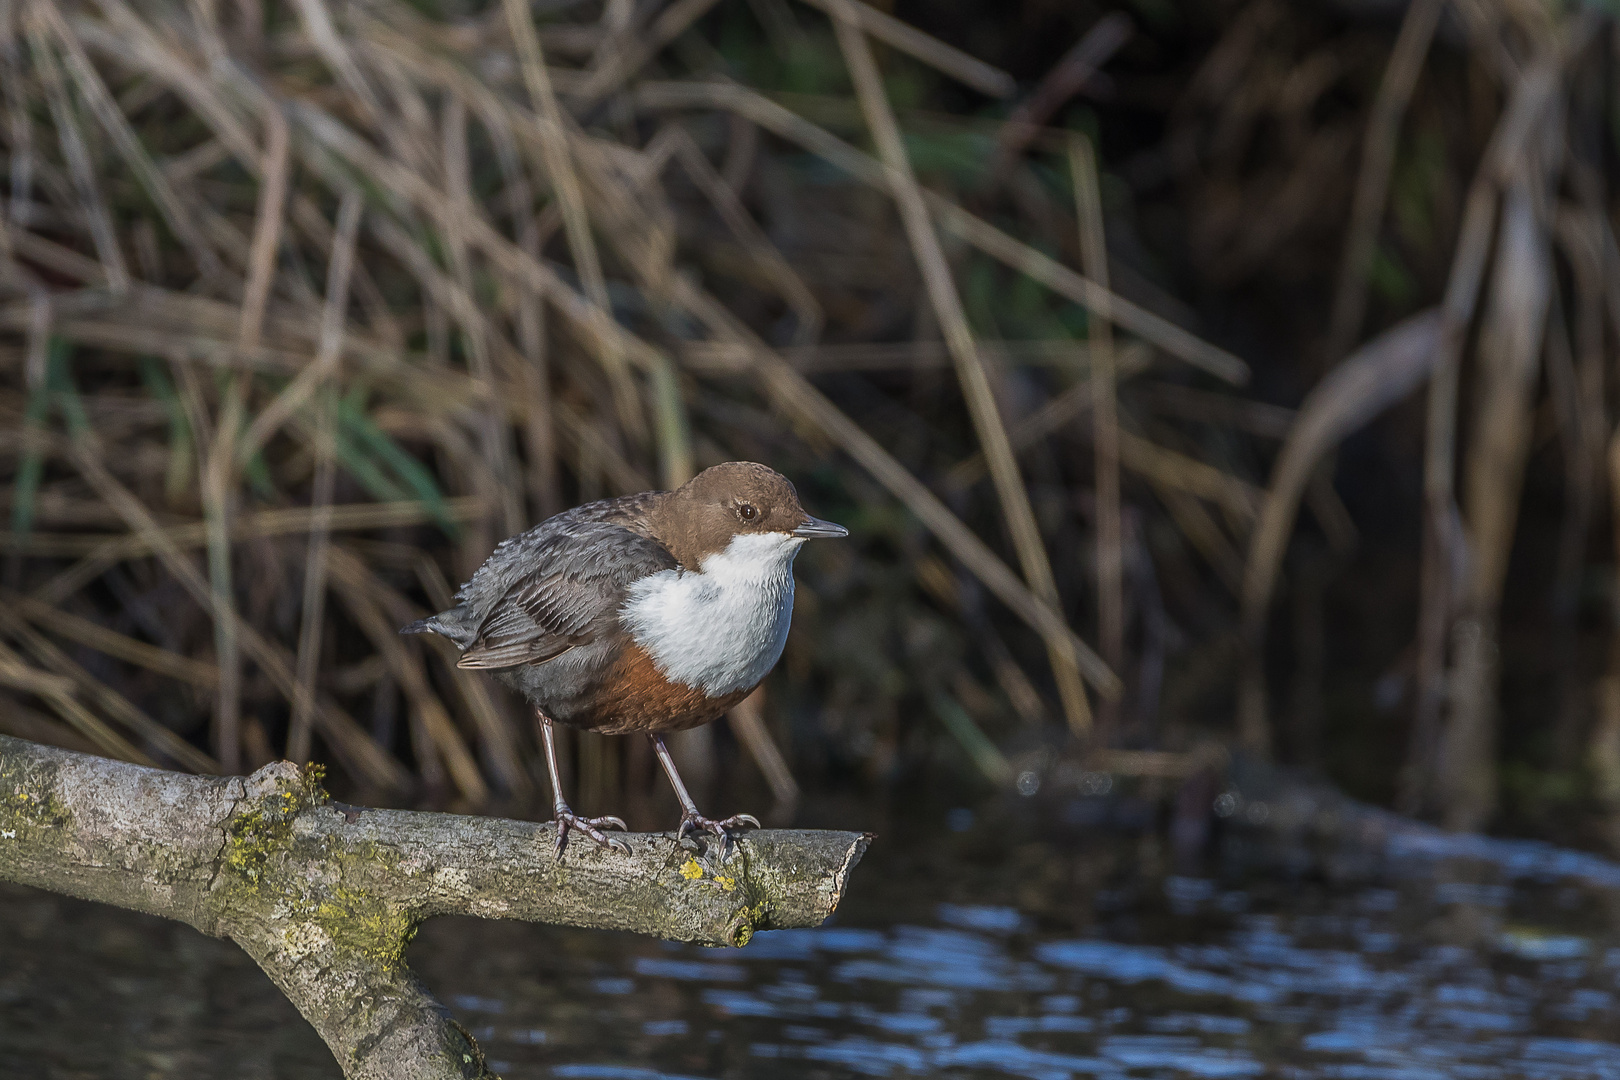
(304, 304)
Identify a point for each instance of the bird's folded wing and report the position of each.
(569, 590)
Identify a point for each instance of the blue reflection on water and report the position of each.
(1464, 982)
(613, 1072)
(988, 918)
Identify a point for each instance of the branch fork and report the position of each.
(325, 897)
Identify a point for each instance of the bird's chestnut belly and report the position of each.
(624, 693)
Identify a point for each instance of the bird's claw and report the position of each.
(591, 827)
(723, 829)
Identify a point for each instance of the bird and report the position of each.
(647, 613)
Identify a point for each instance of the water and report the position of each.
(1000, 950)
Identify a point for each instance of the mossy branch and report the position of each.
(325, 897)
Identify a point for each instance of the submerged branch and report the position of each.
(325, 897)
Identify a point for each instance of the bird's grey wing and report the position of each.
(570, 587)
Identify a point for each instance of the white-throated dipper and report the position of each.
(648, 613)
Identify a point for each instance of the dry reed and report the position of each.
(299, 317)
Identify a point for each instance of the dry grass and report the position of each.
(304, 305)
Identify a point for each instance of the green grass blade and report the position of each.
(178, 477)
(368, 437)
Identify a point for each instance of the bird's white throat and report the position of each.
(722, 628)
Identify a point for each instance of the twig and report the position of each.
(1068, 77)
(1444, 559)
(1376, 376)
(1225, 410)
(1094, 297)
(106, 698)
(98, 637)
(129, 146)
(747, 720)
(724, 358)
(620, 64)
(1015, 506)
(216, 464)
(428, 712)
(266, 229)
(57, 692)
(1586, 424)
(98, 220)
(217, 467)
(969, 70)
(1104, 414)
(20, 142)
(644, 233)
(731, 210)
(559, 166)
(534, 372)
(984, 754)
(1167, 468)
(313, 608)
(500, 739)
(1377, 159)
(331, 47)
(1511, 341)
(1201, 530)
(106, 550)
(1073, 404)
(505, 490)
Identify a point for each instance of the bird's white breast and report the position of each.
(722, 628)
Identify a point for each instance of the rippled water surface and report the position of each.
(974, 953)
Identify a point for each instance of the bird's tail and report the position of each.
(451, 624)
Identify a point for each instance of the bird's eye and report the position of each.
(746, 512)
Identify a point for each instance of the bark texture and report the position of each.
(325, 897)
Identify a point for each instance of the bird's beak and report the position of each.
(814, 528)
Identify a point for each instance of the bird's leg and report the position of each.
(691, 820)
(566, 818)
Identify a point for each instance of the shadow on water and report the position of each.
(987, 944)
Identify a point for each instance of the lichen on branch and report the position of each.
(326, 897)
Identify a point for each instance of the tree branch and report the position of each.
(325, 897)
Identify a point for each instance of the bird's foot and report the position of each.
(592, 827)
(724, 829)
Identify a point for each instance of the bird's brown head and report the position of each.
(704, 515)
